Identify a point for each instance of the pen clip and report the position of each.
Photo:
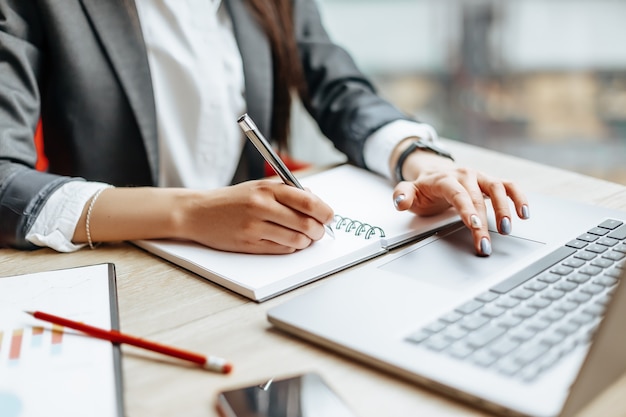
(265, 149)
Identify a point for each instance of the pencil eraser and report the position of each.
(227, 368)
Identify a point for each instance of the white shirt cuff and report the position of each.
(56, 223)
(380, 144)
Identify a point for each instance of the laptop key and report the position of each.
(602, 262)
(435, 327)
(619, 233)
(600, 231)
(574, 262)
(566, 286)
(567, 306)
(507, 302)
(553, 294)
(581, 319)
(538, 324)
(552, 315)
(611, 224)
(529, 354)
(509, 321)
(595, 248)
(437, 342)
(503, 346)
(548, 277)
(460, 350)
(561, 270)
(522, 293)
(522, 335)
(419, 336)
(567, 328)
(474, 322)
(492, 311)
(595, 310)
(590, 270)
(605, 281)
(470, 306)
(585, 255)
(484, 336)
(579, 297)
(487, 296)
(524, 312)
(539, 303)
(588, 237)
(608, 241)
(552, 339)
(579, 278)
(535, 286)
(614, 255)
(592, 289)
(613, 273)
(576, 244)
(454, 332)
(452, 317)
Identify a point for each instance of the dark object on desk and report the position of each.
(298, 396)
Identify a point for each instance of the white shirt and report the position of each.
(197, 73)
(197, 79)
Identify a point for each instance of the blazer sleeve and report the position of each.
(342, 100)
(23, 190)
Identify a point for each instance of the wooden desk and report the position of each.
(165, 303)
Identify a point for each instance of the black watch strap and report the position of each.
(427, 146)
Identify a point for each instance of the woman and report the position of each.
(139, 101)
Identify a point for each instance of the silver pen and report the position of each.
(263, 146)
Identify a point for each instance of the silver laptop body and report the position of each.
(371, 312)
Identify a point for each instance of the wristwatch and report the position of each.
(419, 144)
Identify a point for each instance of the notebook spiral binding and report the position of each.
(357, 227)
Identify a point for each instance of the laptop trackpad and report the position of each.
(451, 262)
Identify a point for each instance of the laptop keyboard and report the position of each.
(525, 324)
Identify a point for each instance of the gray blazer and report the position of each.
(81, 66)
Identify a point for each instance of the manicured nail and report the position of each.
(475, 222)
(505, 226)
(485, 246)
(525, 212)
(398, 200)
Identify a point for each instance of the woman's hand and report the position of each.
(438, 183)
(263, 216)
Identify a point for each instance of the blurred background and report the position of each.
(541, 79)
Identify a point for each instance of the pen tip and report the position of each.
(32, 313)
(227, 368)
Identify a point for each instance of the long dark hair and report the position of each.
(276, 18)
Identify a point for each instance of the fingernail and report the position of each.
(485, 246)
(505, 226)
(475, 222)
(398, 200)
(525, 212)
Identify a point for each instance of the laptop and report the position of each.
(536, 329)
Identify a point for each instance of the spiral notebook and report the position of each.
(366, 225)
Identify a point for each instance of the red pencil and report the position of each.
(211, 363)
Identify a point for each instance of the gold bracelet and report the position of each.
(88, 218)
